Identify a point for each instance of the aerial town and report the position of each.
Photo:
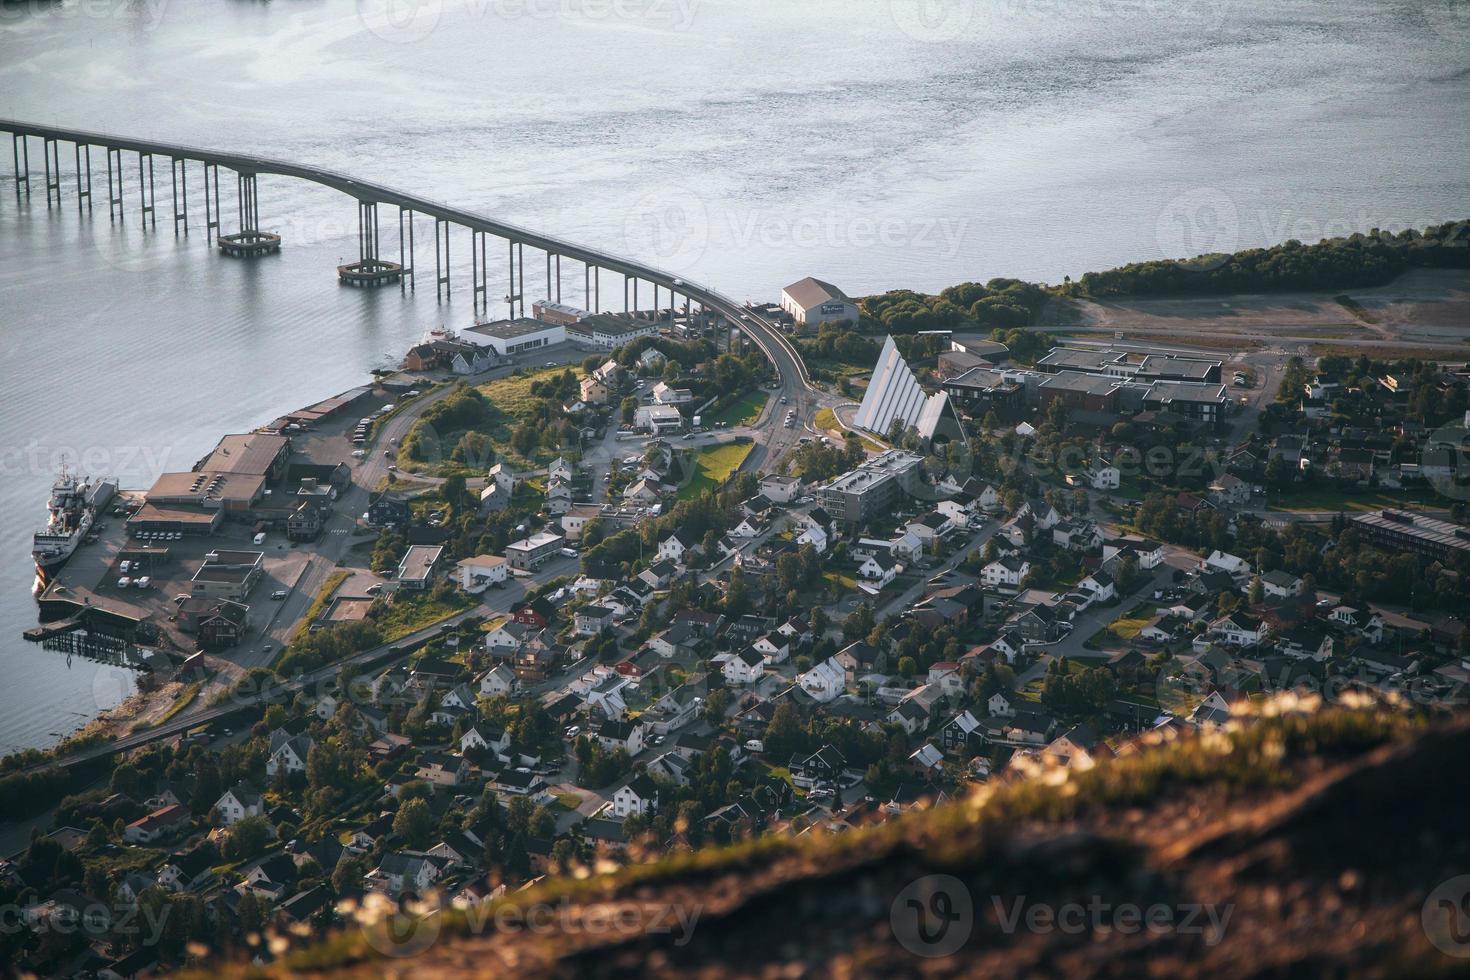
(580, 589)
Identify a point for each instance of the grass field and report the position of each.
(405, 615)
(1330, 498)
(512, 395)
(827, 419)
(743, 412)
(714, 466)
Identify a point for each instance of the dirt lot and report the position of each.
(1426, 310)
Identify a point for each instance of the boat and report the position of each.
(71, 511)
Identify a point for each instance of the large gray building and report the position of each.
(858, 496)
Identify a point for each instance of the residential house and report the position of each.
(825, 681)
(638, 795)
(745, 667)
(238, 802)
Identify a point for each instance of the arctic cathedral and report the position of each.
(894, 393)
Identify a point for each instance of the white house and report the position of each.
(775, 647)
(1239, 630)
(1005, 573)
(638, 795)
(1100, 584)
(238, 802)
(287, 752)
(745, 667)
(506, 638)
(1000, 706)
(496, 740)
(499, 679)
(481, 571)
(780, 489)
(504, 476)
(1233, 565)
(1103, 475)
(825, 681)
(816, 536)
(1280, 585)
(878, 571)
(677, 545)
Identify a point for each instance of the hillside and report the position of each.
(1305, 844)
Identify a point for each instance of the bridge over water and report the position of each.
(248, 238)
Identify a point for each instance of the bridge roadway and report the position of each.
(765, 335)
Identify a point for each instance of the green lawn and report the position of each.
(743, 412)
(1331, 498)
(713, 467)
(406, 614)
(512, 395)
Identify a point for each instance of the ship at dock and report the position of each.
(71, 512)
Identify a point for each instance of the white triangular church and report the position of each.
(894, 393)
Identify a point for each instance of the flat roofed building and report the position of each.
(1413, 532)
(228, 574)
(562, 313)
(981, 389)
(1201, 402)
(605, 331)
(1088, 392)
(154, 518)
(520, 336)
(261, 453)
(529, 553)
(206, 489)
(416, 568)
(658, 418)
(860, 495)
(812, 301)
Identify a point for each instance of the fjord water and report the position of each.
(743, 143)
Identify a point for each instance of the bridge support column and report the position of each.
(479, 272)
(52, 159)
(114, 192)
(178, 177)
(83, 182)
(20, 150)
(558, 274)
(515, 275)
(146, 197)
(249, 241)
(441, 258)
(408, 264)
(369, 269)
(211, 198)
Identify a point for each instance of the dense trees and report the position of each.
(1337, 263)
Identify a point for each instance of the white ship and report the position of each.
(70, 517)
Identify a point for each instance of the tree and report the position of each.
(1257, 591)
(413, 822)
(784, 735)
(248, 838)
